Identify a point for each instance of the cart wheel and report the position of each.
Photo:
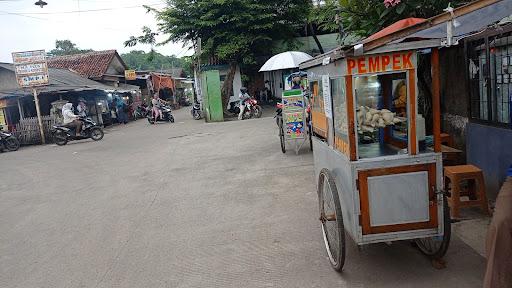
(332, 220)
(281, 137)
(436, 247)
(310, 137)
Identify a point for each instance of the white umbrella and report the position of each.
(285, 60)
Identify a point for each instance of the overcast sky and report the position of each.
(24, 26)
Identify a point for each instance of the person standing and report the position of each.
(121, 114)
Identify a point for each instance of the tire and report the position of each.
(151, 121)
(60, 138)
(171, 118)
(258, 111)
(434, 247)
(196, 115)
(331, 217)
(310, 135)
(281, 137)
(97, 134)
(12, 143)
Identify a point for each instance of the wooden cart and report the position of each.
(378, 165)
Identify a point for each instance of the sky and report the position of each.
(25, 26)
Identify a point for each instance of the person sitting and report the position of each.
(157, 106)
(70, 119)
(81, 108)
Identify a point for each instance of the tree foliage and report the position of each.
(138, 59)
(232, 30)
(66, 47)
(365, 17)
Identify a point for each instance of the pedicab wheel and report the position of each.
(97, 134)
(281, 137)
(436, 247)
(60, 138)
(310, 137)
(331, 217)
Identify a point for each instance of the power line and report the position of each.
(80, 11)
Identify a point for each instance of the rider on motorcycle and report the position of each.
(242, 96)
(157, 106)
(70, 119)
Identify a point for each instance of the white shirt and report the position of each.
(69, 116)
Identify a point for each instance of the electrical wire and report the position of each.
(80, 11)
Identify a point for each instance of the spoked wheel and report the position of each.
(332, 220)
(12, 143)
(436, 247)
(60, 138)
(257, 111)
(310, 135)
(281, 136)
(97, 134)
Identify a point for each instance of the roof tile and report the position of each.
(91, 65)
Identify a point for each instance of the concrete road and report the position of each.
(187, 204)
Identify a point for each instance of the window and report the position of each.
(340, 118)
(381, 114)
(490, 78)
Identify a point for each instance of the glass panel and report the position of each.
(316, 96)
(340, 118)
(381, 114)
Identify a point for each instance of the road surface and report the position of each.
(188, 204)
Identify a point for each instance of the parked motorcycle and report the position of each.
(8, 141)
(252, 109)
(196, 111)
(234, 107)
(62, 134)
(165, 117)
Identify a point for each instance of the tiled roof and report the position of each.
(91, 65)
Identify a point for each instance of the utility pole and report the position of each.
(39, 119)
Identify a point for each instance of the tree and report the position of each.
(233, 31)
(66, 47)
(365, 17)
(140, 60)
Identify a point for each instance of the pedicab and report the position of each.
(378, 166)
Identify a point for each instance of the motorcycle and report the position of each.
(196, 111)
(8, 141)
(141, 111)
(252, 109)
(234, 106)
(62, 134)
(165, 117)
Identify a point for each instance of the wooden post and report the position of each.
(39, 120)
(20, 109)
(436, 100)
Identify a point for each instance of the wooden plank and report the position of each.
(365, 203)
(351, 118)
(412, 111)
(436, 100)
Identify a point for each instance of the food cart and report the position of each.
(378, 164)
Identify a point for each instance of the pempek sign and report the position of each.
(380, 63)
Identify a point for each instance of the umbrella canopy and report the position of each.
(285, 60)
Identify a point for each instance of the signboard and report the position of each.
(293, 114)
(28, 57)
(130, 75)
(31, 68)
(381, 63)
(326, 89)
(39, 68)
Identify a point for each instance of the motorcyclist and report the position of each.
(81, 108)
(243, 96)
(157, 106)
(70, 119)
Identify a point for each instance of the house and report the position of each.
(106, 66)
(17, 104)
